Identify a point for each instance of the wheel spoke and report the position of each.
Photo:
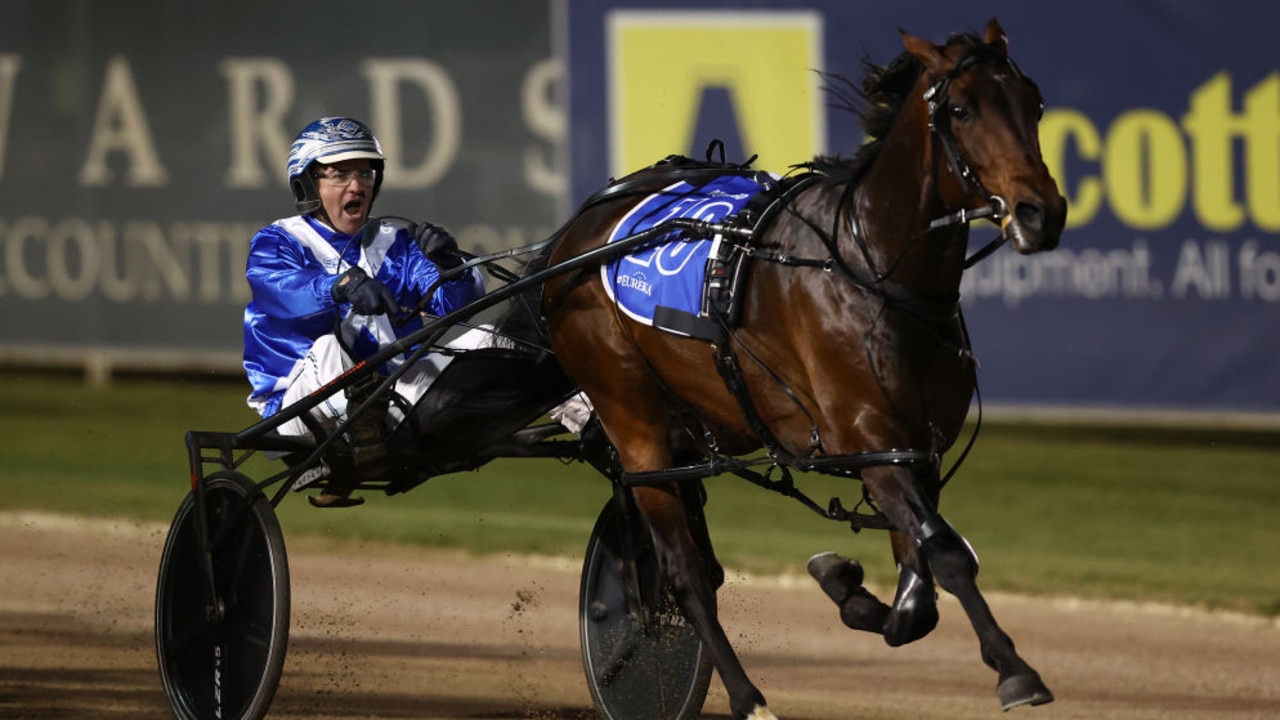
(183, 640)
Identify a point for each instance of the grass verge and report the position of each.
(1182, 516)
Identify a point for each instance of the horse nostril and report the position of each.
(1029, 216)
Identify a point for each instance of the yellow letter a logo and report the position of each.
(663, 64)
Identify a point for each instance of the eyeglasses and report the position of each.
(341, 178)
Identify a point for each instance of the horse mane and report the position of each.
(876, 100)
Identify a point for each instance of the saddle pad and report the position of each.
(662, 284)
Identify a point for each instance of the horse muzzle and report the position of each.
(1034, 225)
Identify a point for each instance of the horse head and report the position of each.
(984, 114)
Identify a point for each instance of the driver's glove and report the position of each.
(437, 244)
(368, 296)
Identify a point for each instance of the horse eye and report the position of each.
(1038, 102)
(1037, 98)
(959, 112)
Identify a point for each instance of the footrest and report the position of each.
(330, 500)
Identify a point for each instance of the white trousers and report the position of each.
(326, 361)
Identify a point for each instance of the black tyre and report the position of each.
(225, 663)
(637, 669)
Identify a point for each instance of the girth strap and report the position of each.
(731, 372)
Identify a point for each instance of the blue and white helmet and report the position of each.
(329, 140)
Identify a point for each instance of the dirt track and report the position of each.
(391, 633)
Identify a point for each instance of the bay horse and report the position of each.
(853, 351)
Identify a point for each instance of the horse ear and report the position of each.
(996, 37)
(926, 52)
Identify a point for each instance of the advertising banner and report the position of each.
(143, 142)
(1162, 128)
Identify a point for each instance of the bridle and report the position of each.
(996, 208)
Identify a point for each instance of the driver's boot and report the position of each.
(367, 434)
(368, 438)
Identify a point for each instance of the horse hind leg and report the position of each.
(672, 514)
(694, 494)
(633, 411)
(692, 582)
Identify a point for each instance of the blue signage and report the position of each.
(1162, 127)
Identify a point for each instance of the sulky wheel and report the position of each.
(223, 658)
(642, 660)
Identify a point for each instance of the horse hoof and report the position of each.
(1024, 689)
(838, 576)
(760, 712)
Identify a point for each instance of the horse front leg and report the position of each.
(914, 613)
(952, 562)
(915, 605)
(956, 567)
(693, 576)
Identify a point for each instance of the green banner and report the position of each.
(142, 143)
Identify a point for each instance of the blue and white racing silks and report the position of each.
(292, 267)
